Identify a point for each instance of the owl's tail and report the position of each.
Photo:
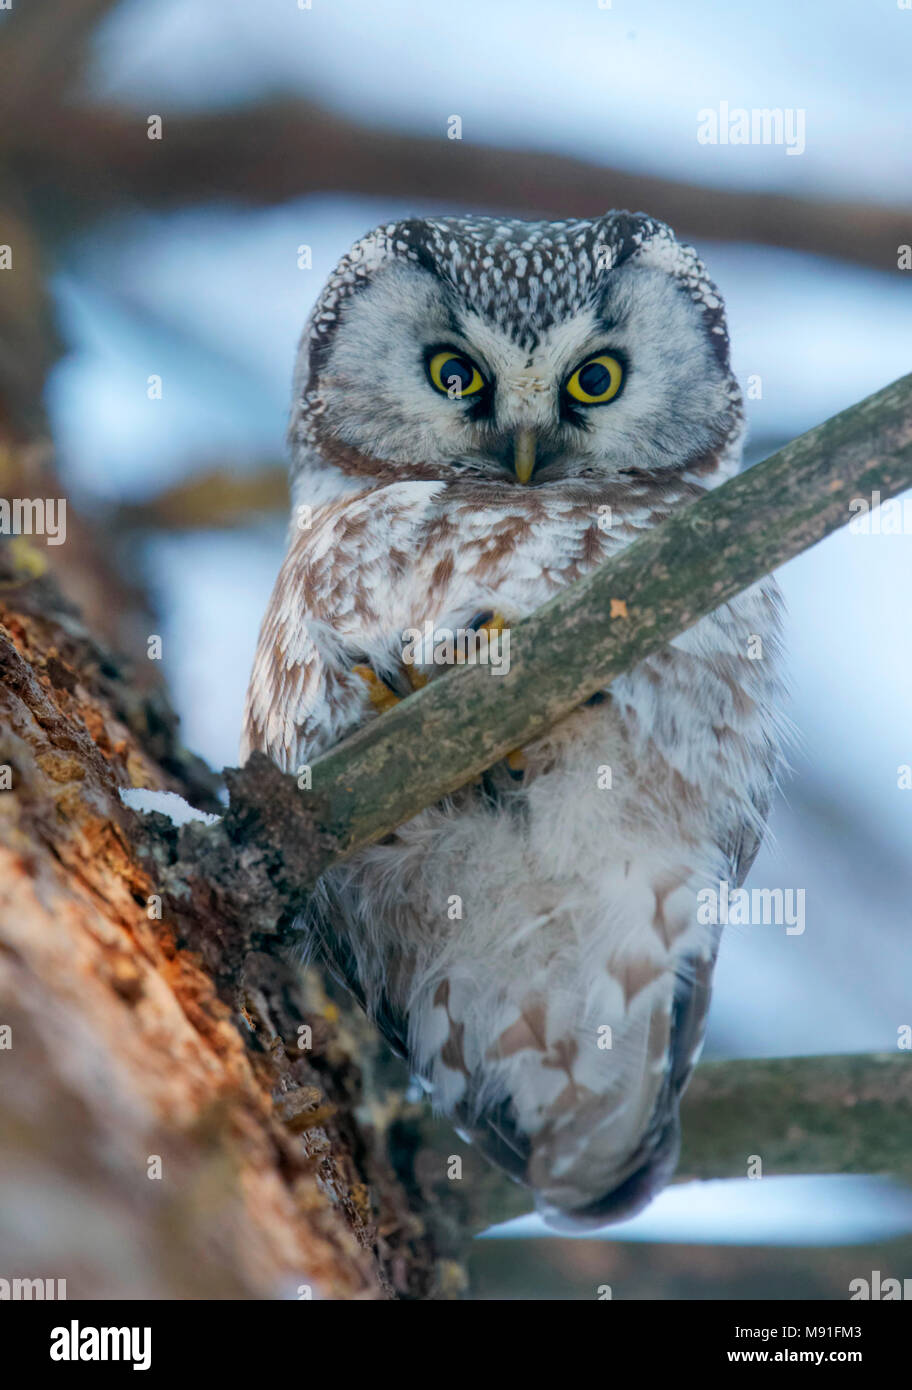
(586, 1115)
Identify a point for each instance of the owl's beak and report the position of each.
(524, 454)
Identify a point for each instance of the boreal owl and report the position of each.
(472, 399)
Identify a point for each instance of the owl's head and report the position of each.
(523, 351)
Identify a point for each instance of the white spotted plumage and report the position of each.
(556, 1011)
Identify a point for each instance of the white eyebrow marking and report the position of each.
(526, 383)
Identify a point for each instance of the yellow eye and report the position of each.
(596, 381)
(453, 374)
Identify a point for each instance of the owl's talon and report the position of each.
(516, 761)
(488, 621)
(379, 693)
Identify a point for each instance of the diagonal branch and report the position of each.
(700, 558)
(275, 840)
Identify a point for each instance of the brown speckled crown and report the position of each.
(524, 276)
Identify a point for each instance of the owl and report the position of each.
(482, 412)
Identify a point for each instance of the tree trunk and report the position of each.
(163, 1132)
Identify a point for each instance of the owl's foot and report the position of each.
(383, 697)
(487, 621)
(516, 761)
(379, 693)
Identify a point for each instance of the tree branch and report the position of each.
(839, 1114)
(446, 734)
(799, 1115)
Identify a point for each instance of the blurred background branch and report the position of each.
(275, 151)
(796, 1115)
